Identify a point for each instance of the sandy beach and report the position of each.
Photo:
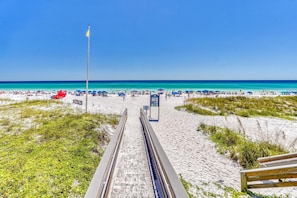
(191, 153)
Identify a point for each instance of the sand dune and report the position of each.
(191, 153)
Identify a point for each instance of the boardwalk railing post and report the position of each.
(243, 179)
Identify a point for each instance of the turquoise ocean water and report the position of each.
(152, 85)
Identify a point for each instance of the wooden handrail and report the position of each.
(277, 157)
(279, 162)
(277, 173)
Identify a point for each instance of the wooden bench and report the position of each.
(274, 171)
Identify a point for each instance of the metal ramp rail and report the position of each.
(164, 179)
(99, 185)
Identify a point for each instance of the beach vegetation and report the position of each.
(5, 100)
(238, 147)
(281, 106)
(195, 109)
(258, 195)
(187, 185)
(222, 191)
(4, 122)
(47, 149)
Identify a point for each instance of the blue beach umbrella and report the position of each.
(160, 91)
(77, 92)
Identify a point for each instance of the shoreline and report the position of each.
(154, 85)
(202, 92)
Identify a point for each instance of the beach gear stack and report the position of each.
(60, 94)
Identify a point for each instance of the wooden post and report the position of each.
(243, 181)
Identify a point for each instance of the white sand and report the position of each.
(191, 153)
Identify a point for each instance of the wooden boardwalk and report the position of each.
(131, 176)
(134, 163)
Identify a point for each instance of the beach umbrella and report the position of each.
(160, 91)
(94, 93)
(104, 93)
(134, 92)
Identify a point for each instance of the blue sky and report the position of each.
(149, 39)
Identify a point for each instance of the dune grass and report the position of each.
(5, 100)
(238, 147)
(195, 191)
(281, 106)
(46, 150)
(203, 190)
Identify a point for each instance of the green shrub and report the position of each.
(248, 154)
(55, 157)
(4, 122)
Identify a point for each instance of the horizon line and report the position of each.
(32, 81)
